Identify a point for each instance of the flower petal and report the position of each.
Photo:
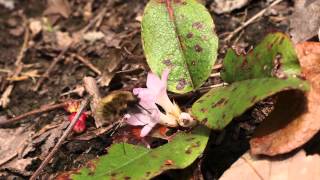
(145, 94)
(137, 119)
(154, 83)
(164, 76)
(146, 129)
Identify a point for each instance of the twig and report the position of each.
(212, 86)
(4, 100)
(82, 107)
(87, 63)
(50, 68)
(62, 53)
(8, 158)
(96, 19)
(259, 14)
(42, 109)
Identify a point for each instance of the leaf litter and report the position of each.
(120, 37)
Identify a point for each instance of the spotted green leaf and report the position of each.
(126, 161)
(179, 35)
(219, 106)
(275, 56)
(270, 68)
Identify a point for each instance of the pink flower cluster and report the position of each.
(156, 94)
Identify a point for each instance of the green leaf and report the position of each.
(126, 161)
(219, 106)
(274, 57)
(180, 36)
(270, 68)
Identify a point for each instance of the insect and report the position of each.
(115, 105)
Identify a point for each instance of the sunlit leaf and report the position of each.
(181, 36)
(126, 161)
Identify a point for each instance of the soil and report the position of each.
(120, 20)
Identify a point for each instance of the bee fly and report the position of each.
(115, 105)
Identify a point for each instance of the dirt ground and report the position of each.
(119, 56)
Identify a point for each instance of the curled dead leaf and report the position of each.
(275, 135)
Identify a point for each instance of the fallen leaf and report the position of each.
(275, 135)
(63, 39)
(305, 20)
(226, 6)
(61, 7)
(35, 27)
(13, 141)
(110, 64)
(299, 166)
(9, 4)
(17, 31)
(93, 36)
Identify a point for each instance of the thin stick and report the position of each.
(4, 100)
(87, 63)
(42, 109)
(96, 19)
(82, 107)
(259, 14)
(50, 68)
(7, 159)
(212, 86)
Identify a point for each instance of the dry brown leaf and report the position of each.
(9, 4)
(60, 7)
(63, 39)
(93, 36)
(226, 6)
(305, 20)
(300, 166)
(13, 142)
(35, 27)
(275, 135)
(110, 65)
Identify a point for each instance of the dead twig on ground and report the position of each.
(82, 107)
(7, 159)
(5, 97)
(251, 20)
(87, 63)
(94, 21)
(42, 109)
(50, 68)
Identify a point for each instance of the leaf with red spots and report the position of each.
(219, 106)
(179, 34)
(274, 57)
(126, 161)
(272, 67)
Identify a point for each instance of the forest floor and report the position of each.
(117, 62)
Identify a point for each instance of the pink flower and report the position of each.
(150, 115)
